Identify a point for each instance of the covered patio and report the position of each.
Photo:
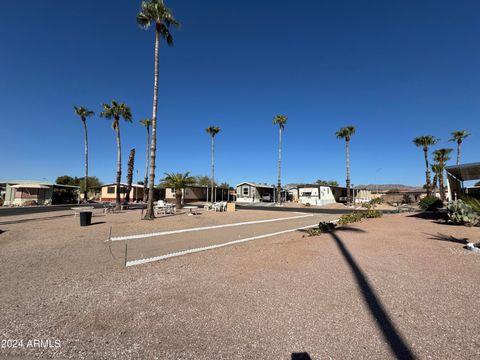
(457, 175)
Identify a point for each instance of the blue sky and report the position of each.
(394, 69)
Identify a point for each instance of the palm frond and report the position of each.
(425, 141)
(345, 132)
(212, 130)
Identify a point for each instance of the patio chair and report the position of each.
(218, 206)
(108, 208)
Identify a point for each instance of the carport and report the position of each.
(457, 175)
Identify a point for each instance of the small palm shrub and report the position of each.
(473, 202)
(326, 226)
(430, 203)
(323, 227)
(462, 214)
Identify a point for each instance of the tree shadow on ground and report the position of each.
(20, 221)
(394, 339)
(430, 215)
(450, 238)
(301, 356)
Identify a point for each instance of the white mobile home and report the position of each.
(250, 192)
(315, 194)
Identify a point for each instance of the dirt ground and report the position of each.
(401, 286)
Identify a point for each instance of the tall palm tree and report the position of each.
(146, 123)
(155, 12)
(115, 111)
(213, 130)
(84, 113)
(178, 181)
(441, 156)
(347, 133)
(425, 142)
(458, 137)
(280, 120)
(437, 170)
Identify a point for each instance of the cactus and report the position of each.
(461, 213)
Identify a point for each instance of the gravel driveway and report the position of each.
(400, 286)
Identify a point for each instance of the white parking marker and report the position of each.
(205, 248)
(142, 236)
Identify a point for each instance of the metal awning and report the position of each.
(465, 172)
(30, 186)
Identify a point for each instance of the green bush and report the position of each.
(461, 213)
(357, 216)
(350, 218)
(372, 213)
(430, 203)
(378, 200)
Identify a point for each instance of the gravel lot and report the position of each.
(398, 286)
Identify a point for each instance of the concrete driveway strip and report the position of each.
(177, 244)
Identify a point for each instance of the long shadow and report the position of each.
(390, 333)
(20, 221)
(443, 237)
(430, 215)
(98, 223)
(301, 356)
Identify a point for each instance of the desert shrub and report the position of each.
(313, 231)
(307, 205)
(350, 218)
(430, 203)
(377, 201)
(461, 213)
(326, 226)
(372, 213)
(322, 228)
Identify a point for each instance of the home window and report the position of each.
(245, 191)
(111, 190)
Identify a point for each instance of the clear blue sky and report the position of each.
(394, 69)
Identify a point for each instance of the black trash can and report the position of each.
(85, 218)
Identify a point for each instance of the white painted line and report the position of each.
(205, 248)
(142, 236)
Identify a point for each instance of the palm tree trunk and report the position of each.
(145, 181)
(279, 185)
(213, 168)
(459, 144)
(427, 172)
(149, 215)
(119, 165)
(441, 185)
(349, 198)
(131, 165)
(178, 198)
(86, 159)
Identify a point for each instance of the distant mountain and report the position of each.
(385, 187)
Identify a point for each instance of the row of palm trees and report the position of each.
(116, 111)
(440, 156)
